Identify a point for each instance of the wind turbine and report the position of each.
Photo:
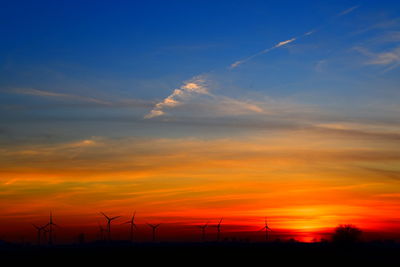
(266, 228)
(45, 231)
(39, 232)
(101, 230)
(50, 225)
(109, 220)
(132, 225)
(219, 229)
(154, 228)
(203, 231)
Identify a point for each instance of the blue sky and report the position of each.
(78, 59)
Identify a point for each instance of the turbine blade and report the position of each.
(105, 215)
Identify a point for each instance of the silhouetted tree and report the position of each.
(346, 233)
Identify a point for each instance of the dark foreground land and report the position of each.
(222, 254)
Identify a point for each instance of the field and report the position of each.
(279, 253)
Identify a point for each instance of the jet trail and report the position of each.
(283, 43)
(195, 86)
(347, 11)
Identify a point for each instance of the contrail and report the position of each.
(198, 86)
(347, 11)
(283, 43)
(194, 86)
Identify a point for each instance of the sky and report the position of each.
(189, 111)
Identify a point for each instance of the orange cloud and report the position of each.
(300, 180)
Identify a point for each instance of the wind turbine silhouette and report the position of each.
(266, 228)
(203, 231)
(50, 224)
(132, 225)
(101, 231)
(109, 220)
(154, 228)
(219, 229)
(45, 231)
(39, 232)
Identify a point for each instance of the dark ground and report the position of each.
(188, 254)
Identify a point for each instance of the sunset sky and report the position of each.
(189, 111)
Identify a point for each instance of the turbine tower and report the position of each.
(154, 228)
(109, 220)
(219, 229)
(132, 226)
(45, 231)
(266, 228)
(39, 232)
(203, 231)
(50, 225)
(101, 231)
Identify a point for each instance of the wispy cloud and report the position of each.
(382, 25)
(189, 96)
(42, 93)
(387, 58)
(388, 37)
(392, 174)
(279, 44)
(390, 59)
(310, 32)
(283, 43)
(349, 10)
(194, 86)
(229, 105)
(195, 98)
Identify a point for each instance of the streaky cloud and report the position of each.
(285, 42)
(389, 59)
(349, 10)
(282, 43)
(195, 85)
(392, 174)
(43, 93)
